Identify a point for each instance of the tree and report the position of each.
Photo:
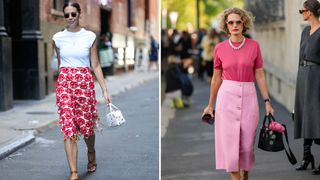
(187, 10)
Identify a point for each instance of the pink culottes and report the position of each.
(76, 102)
(236, 121)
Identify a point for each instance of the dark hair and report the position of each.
(313, 6)
(74, 4)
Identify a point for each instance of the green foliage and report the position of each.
(187, 10)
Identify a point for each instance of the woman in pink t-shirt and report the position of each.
(237, 64)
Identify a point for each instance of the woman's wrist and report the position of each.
(210, 106)
(267, 101)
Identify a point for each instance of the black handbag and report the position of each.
(273, 141)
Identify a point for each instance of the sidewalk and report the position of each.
(19, 126)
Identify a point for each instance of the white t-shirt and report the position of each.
(74, 47)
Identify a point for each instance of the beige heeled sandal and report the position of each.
(244, 175)
(91, 167)
(73, 172)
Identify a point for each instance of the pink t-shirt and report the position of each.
(238, 65)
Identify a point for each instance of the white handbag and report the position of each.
(114, 116)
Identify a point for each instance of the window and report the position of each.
(57, 7)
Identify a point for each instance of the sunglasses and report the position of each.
(67, 15)
(234, 22)
(302, 10)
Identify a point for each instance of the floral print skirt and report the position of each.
(75, 98)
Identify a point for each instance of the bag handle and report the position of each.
(111, 107)
(269, 117)
(289, 154)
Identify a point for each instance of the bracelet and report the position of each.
(267, 100)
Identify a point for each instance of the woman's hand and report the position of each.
(208, 110)
(269, 109)
(106, 96)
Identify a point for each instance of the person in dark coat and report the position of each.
(307, 101)
(186, 46)
(173, 84)
(175, 44)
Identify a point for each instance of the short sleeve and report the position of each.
(92, 38)
(217, 64)
(258, 63)
(56, 41)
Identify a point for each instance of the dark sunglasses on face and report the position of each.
(302, 10)
(234, 22)
(67, 15)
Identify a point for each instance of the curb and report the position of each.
(11, 148)
(45, 126)
(41, 128)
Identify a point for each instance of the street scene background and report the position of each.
(188, 37)
(31, 144)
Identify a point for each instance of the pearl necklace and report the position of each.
(237, 47)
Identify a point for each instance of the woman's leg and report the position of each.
(235, 175)
(71, 149)
(92, 164)
(90, 142)
(244, 175)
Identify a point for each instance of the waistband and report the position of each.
(237, 83)
(74, 69)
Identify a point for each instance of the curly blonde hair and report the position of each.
(246, 17)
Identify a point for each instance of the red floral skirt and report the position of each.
(76, 102)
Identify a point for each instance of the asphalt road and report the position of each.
(130, 152)
(188, 147)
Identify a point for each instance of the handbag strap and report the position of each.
(111, 107)
(264, 120)
(269, 117)
(289, 154)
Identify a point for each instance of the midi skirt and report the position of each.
(307, 103)
(236, 121)
(76, 101)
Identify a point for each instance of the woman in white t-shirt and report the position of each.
(76, 49)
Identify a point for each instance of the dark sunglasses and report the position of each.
(234, 22)
(302, 10)
(208, 119)
(67, 15)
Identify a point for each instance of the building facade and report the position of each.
(26, 29)
(278, 26)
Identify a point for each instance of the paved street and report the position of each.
(130, 152)
(188, 146)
